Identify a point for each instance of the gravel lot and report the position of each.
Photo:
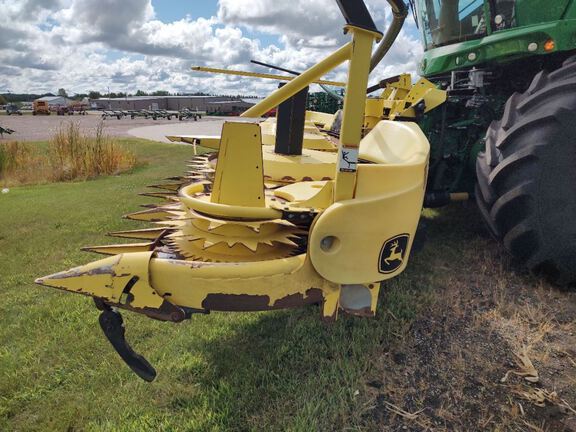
(41, 128)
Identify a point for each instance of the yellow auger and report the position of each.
(257, 227)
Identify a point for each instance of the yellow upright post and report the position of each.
(353, 117)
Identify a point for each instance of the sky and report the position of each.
(149, 45)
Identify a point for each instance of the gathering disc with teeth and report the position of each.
(198, 237)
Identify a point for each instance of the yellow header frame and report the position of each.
(358, 52)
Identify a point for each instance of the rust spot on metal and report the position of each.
(106, 270)
(312, 296)
(166, 312)
(330, 319)
(364, 312)
(252, 303)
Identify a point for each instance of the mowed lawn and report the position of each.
(283, 370)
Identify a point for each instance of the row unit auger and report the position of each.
(254, 227)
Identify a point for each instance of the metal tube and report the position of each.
(261, 75)
(300, 82)
(281, 69)
(326, 89)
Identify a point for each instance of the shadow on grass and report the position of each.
(289, 370)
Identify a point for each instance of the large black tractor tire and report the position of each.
(526, 188)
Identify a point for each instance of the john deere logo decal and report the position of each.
(393, 253)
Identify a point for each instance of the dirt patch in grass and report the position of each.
(495, 349)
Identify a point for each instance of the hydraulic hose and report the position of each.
(399, 14)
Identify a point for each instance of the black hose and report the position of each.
(326, 89)
(399, 13)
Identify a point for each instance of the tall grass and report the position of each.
(21, 164)
(73, 155)
(70, 155)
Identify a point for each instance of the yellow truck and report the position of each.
(40, 108)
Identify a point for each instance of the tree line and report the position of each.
(6, 98)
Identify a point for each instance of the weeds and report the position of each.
(21, 164)
(70, 155)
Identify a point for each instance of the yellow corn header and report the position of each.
(281, 214)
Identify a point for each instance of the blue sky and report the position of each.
(173, 10)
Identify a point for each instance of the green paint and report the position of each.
(480, 43)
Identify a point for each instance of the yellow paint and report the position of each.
(311, 165)
(121, 248)
(107, 278)
(314, 139)
(354, 102)
(315, 194)
(239, 172)
(398, 100)
(300, 82)
(320, 119)
(203, 204)
(230, 224)
(388, 201)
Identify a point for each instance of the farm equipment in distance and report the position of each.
(4, 130)
(155, 114)
(187, 114)
(118, 114)
(77, 108)
(12, 109)
(41, 108)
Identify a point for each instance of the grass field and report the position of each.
(273, 371)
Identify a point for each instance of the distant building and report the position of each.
(55, 100)
(235, 107)
(216, 104)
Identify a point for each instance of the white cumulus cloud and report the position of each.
(84, 45)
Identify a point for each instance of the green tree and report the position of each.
(3, 100)
(62, 92)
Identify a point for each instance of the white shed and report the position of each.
(55, 100)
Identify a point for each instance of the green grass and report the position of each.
(283, 370)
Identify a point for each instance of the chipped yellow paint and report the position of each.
(254, 230)
(107, 278)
